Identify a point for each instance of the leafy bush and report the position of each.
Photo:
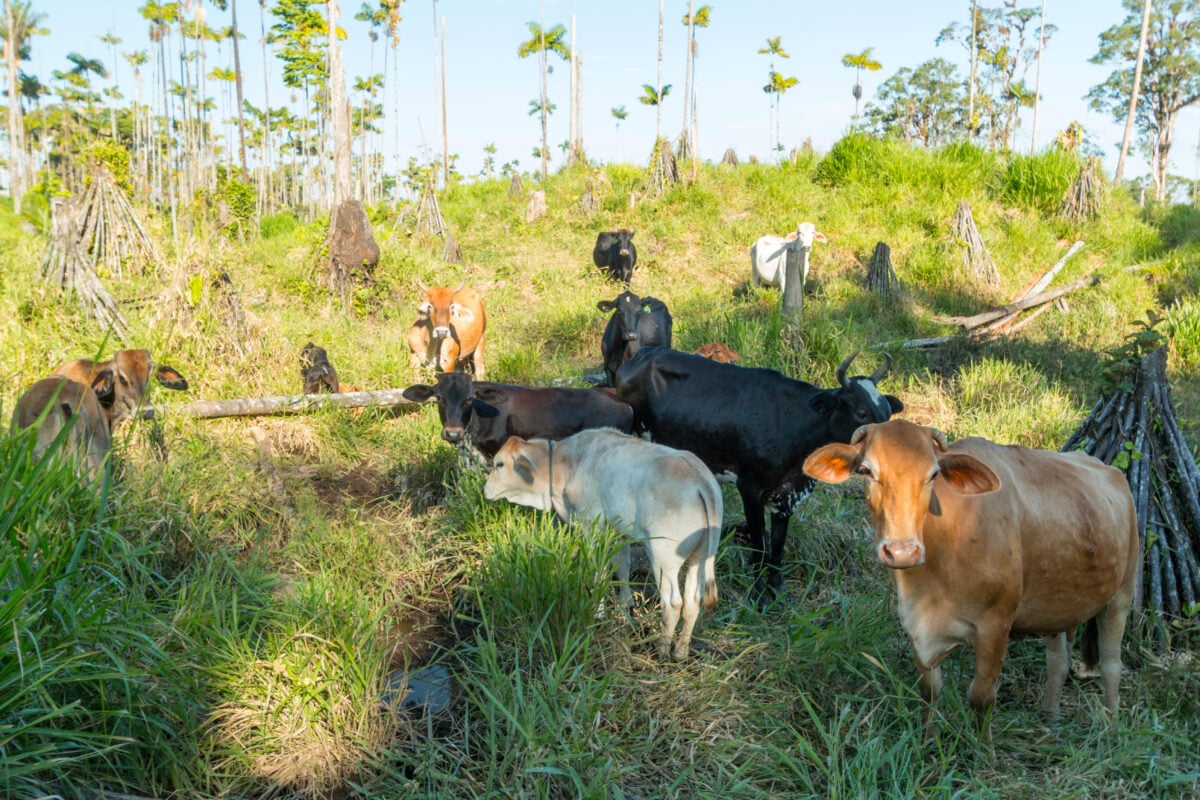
(279, 224)
(1038, 181)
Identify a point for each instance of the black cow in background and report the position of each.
(614, 251)
(636, 322)
(319, 374)
(757, 424)
(480, 415)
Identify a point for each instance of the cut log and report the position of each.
(1029, 302)
(537, 206)
(289, 404)
(1037, 287)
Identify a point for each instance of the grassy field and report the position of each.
(186, 631)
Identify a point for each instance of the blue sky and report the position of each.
(489, 87)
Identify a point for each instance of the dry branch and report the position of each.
(289, 404)
(1029, 302)
(1086, 195)
(975, 255)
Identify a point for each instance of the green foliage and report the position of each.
(280, 224)
(115, 158)
(922, 105)
(1038, 181)
(241, 200)
(1182, 323)
(1121, 362)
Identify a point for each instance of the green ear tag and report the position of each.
(646, 309)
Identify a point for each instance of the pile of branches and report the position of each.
(881, 276)
(975, 253)
(663, 169)
(69, 264)
(1134, 427)
(1086, 195)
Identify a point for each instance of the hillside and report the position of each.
(202, 630)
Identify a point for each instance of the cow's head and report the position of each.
(456, 393)
(121, 384)
(520, 474)
(903, 466)
(438, 306)
(627, 307)
(624, 238)
(312, 356)
(806, 233)
(856, 401)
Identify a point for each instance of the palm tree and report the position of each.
(1019, 96)
(651, 96)
(1133, 95)
(859, 62)
(20, 23)
(699, 19)
(776, 86)
(774, 48)
(237, 74)
(544, 41)
(619, 114)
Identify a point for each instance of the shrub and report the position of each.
(279, 224)
(1038, 181)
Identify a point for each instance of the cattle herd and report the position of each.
(982, 541)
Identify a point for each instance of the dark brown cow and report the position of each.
(987, 541)
(319, 375)
(718, 351)
(449, 330)
(122, 382)
(59, 402)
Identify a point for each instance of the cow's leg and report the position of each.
(761, 592)
(691, 609)
(1057, 666)
(779, 526)
(477, 360)
(931, 689)
(622, 559)
(1111, 628)
(991, 643)
(672, 604)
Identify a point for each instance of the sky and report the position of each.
(489, 89)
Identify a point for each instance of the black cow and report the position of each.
(481, 415)
(755, 423)
(636, 322)
(319, 374)
(614, 251)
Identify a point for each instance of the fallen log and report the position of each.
(1029, 302)
(1039, 286)
(289, 404)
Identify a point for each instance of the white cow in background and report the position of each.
(667, 499)
(768, 256)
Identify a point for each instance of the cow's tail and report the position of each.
(714, 512)
(1089, 645)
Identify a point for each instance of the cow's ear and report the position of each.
(104, 385)
(967, 474)
(461, 312)
(523, 465)
(833, 463)
(492, 395)
(894, 402)
(606, 305)
(819, 237)
(170, 378)
(418, 393)
(823, 402)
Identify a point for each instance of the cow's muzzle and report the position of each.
(631, 336)
(452, 435)
(623, 253)
(901, 554)
(442, 331)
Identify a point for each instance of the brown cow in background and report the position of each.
(122, 382)
(449, 329)
(65, 402)
(319, 374)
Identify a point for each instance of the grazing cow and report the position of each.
(986, 541)
(755, 423)
(636, 322)
(614, 251)
(481, 416)
(58, 402)
(768, 256)
(121, 383)
(666, 499)
(718, 351)
(449, 329)
(319, 375)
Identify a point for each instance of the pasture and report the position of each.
(221, 618)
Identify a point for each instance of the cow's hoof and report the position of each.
(762, 594)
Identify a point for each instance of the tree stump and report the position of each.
(589, 204)
(1134, 427)
(353, 251)
(537, 206)
(663, 169)
(1085, 198)
(975, 253)
(881, 278)
(450, 252)
(514, 186)
(730, 157)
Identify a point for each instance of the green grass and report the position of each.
(195, 632)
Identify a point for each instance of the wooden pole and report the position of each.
(289, 404)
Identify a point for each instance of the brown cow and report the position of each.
(59, 402)
(319, 375)
(449, 329)
(121, 383)
(718, 351)
(987, 541)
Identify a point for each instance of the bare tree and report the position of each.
(1133, 96)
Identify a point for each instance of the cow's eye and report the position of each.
(498, 464)
(864, 470)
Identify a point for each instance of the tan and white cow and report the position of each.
(665, 498)
(987, 541)
(122, 382)
(58, 403)
(449, 329)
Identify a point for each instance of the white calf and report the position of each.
(768, 256)
(665, 498)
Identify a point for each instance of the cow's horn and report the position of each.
(458, 288)
(859, 434)
(845, 365)
(422, 286)
(882, 369)
(939, 439)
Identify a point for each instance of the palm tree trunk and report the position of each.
(974, 66)
(339, 111)
(658, 105)
(16, 124)
(686, 149)
(542, 61)
(237, 74)
(445, 134)
(1133, 95)
(1037, 86)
